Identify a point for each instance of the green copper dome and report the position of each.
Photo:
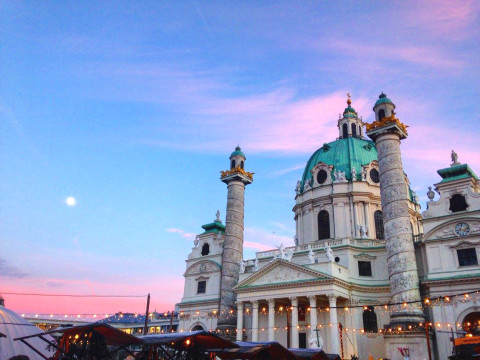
(382, 99)
(343, 154)
(238, 151)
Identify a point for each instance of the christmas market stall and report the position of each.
(89, 342)
(256, 350)
(193, 345)
(314, 354)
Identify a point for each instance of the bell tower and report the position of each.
(236, 179)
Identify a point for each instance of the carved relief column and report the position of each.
(294, 322)
(402, 266)
(271, 319)
(239, 320)
(255, 320)
(313, 314)
(334, 336)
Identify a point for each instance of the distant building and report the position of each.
(337, 272)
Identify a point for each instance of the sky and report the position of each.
(133, 108)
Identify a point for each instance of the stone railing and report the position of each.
(321, 244)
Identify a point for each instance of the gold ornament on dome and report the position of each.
(237, 170)
(386, 120)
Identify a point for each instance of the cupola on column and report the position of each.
(236, 179)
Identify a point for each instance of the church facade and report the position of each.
(332, 289)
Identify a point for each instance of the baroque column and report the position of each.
(334, 335)
(387, 132)
(313, 316)
(271, 319)
(255, 320)
(294, 323)
(236, 179)
(239, 320)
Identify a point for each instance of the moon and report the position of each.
(71, 201)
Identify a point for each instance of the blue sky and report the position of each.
(134, 107)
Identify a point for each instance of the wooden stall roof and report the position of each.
(253, 350)
(111, 334)
(314, 354)
(201, 338)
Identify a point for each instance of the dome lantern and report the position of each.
(350, 125)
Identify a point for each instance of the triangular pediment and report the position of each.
(282, 272)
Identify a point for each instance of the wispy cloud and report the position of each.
(181, 232)
(8, 271)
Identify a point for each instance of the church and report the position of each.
(351, 284)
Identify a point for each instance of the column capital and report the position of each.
(271, 302)
(312, 298)
(332, 297)
(294, 300)
(254, 303)
(239, 304)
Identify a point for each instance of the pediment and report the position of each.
(447, 229)
(282, 272)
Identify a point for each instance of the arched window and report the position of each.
(354, 130)
(370, 320)
(458, 203)
(323, 225)
(233, 164)
(344, 130)
(241, 164)
(205, 249)
(378, 217)
(381, 114)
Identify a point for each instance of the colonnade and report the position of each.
(334, 343)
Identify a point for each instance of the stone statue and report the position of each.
(354, 173)
(297, 188)
(335, 175)
(341, 176)
(295, 239)
(289, 254)
(329, 254)
(242, 267)
(315, 341)
(281, 251)
(364, 173)
(307, 185)
(311, 255)
(255, 266)
(195, 242)
(218, 217)
(430, 193)
(363, 231)
(454, 158)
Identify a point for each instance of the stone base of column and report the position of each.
(228, 331)
(415, 342)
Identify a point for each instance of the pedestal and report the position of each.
(416, 342)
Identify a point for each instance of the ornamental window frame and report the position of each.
(464, 245)
(319, 167)
(372, 166)
(201, 280)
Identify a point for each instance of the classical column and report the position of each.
(236, 179)
(313, 314)
(271, 319)
(355, 220)
(402, 266)
(366, 214)
(294, 323)
(239, 320)
(255, 320)
(334, 335)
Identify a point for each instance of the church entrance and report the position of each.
(302, 340)
(471, 323)
(197, 328)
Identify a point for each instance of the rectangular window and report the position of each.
(467, 257)
(365, 268)
(201, 287)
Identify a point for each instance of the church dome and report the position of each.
(238, 151)
(343, 154)
(382, 99)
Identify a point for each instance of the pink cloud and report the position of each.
(184, 234)
(445, 19)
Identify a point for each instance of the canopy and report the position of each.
(314, 354)
(254, 350)
(201, 338)
(13, 326)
